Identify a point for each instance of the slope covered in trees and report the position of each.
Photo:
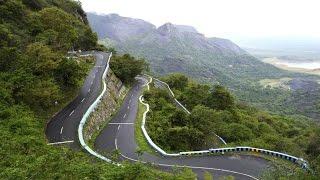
(214, 109)
(35, 36)
(172, 48)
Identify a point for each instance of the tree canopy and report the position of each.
(127, 67)
(215, 111)
(34, 73)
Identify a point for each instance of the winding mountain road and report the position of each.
(119, 134)
(62, 128)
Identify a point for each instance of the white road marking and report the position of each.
(128, 107)
(91, 82)
(121, 123)
(118, 127)
(115, 143)
(89, 90)
(64, 142)
(61, 130)
(71, 113)
(130, 101)
(194, 167)
(124, 115)
(83, 100)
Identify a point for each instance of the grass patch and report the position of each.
(140, 139)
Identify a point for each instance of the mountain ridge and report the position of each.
(169, 42)
(181, 49)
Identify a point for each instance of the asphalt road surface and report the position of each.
(119, 134)
(63, 126)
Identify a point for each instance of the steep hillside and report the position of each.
(117, 28)
(177, 48)
(35, 36)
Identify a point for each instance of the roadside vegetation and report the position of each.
(139, 137)
(35, 36)
(126, 67)
(214, 109)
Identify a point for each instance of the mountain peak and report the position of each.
(167, 28)
(170, 28)
(186, 28)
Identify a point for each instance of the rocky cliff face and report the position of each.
(107, 107)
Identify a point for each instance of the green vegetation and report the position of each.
(213, 109)
(140, 139)
(213, 61)
(207, 176)
(127, 67)
(34, 70)
(35, 36)
(276, 83)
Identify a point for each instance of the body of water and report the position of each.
(303, 65)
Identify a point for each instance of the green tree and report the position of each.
(179, 118)
(188, 138)
(42, 93)
(177, 81)
(313, 148)
(56, 20)
(69, 73)
(9, 57)
(41, 59)
(220, 98)
(202, 118)
(86, 40)
(127, 67)
(235, 132)
(194, 94)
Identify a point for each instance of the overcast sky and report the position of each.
(222, 18)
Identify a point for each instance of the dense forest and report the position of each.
(214, 109)
(35, 36)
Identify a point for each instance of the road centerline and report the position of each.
(83, 100)
(71, 113)
(121, 124)
(61, 130)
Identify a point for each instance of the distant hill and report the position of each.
(174, 48)
(179, 48)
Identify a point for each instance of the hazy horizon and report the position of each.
(227, 19)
